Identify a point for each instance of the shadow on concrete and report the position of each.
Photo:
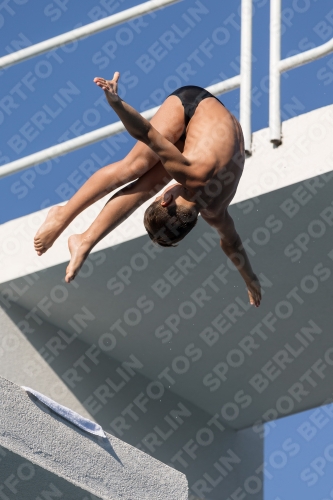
(21, 478)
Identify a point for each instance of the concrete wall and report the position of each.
(128, 405)
(105, 467)
(20, 478)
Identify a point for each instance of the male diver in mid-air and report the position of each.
(192, 139)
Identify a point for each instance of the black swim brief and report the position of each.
(190, 96)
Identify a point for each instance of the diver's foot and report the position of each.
(79, 250)
(50, 230)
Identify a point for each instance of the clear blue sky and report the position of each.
(299, 456)
(36, 112)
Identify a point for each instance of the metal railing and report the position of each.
(84, 31)
(278, 66)
(243, 80)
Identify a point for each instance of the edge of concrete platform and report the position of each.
(107, 468)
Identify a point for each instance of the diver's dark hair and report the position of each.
(166, 226)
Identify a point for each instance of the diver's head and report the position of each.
(170, 217)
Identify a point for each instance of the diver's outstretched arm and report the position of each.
(142, 130)
(232, 246)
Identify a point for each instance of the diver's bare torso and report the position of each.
(215, 147)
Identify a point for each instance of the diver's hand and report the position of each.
(110, 87)
(254, 291)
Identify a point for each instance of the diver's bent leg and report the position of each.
(96, 187)
(119, 208)
(169, 121)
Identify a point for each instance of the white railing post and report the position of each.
(274, 73)
(246, 73)
(278, 66)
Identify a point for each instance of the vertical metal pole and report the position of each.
(246, 73)
(274, 73)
